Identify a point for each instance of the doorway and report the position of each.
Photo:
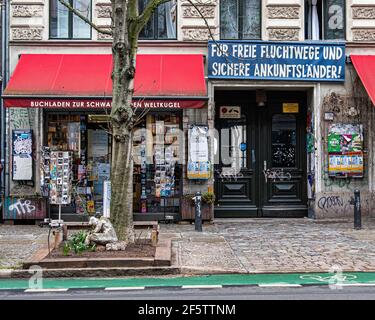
(260, 155)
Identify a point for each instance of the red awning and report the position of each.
(84, 80)
(365, 66)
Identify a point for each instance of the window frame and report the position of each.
(155, 27)
(70, 23)
(325, 9)
(323, 22)
(240, 18)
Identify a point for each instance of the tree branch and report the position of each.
(145, 16)
(203, 17)
(85, 19)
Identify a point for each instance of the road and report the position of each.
(225, 293)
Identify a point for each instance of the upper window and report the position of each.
(163, 23)
(64, 24)
(325, 19)
(240, 19)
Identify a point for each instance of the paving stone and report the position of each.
(275, 244)
(20, 242)
(243, 245)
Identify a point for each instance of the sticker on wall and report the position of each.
(243, 146)
(230, 112)
(329, 116)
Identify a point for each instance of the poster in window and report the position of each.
(198, 163)
(98, 143)
(22, 151)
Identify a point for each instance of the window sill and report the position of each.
(106, 43)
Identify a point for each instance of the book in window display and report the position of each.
(142, 150)
(45, 170)
(155, 163)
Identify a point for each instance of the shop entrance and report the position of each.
(260, 154)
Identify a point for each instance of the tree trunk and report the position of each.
(122, 188)
(122, 125)
(126, 26)
(127, 23)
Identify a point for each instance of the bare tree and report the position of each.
(127, 23)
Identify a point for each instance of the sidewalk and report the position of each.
(18, 243)
(239, 246)
(273, 246)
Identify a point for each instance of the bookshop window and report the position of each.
(157, 170)
(90, 145)
(325, 19)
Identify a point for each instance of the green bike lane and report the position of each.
(209, 280)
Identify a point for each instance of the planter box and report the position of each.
(188, 210)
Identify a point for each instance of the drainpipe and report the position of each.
(5, 76)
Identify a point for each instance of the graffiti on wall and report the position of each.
(277, 175)
(22, 118)
(330, 202)
(332, 183)
(25, 208)
(22, 207)
(335, 205)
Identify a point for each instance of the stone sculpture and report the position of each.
(103, 232)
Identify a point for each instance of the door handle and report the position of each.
(265, 170)
(253, 156)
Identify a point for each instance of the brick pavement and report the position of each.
(20, 242)
(274, 245)
(239, 245)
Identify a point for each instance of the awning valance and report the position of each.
(365, 66)
(84, 81)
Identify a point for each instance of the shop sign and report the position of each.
(230, 112)
(290, 107)
(266, 60)
(61, 103)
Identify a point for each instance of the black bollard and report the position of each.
(198, 213)
(357, 210)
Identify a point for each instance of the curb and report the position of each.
(95, 272)
(162, 258)
(6, 274)
(179, 287)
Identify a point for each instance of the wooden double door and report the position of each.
(260, 168)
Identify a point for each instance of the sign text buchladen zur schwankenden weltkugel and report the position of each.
(263, 60)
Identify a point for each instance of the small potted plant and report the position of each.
(188, 206)
(208, 201)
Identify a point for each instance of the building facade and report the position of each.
(273, 157)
